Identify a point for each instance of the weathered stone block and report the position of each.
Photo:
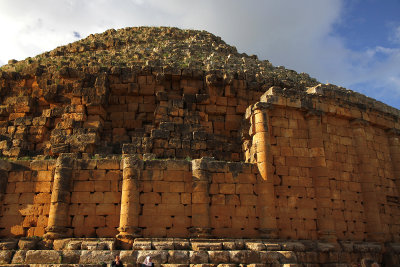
(70, 257)
(166, 244)
(237, 256)
(178, 257)
(170, 198)
(157, 256)
(19, 257)
(198, 245)
(218, 256)
(142, 244)
(255, 245)
(108, 164)
(227, 189)
(287, 257)
(96, 256)
(198, 257)
(5, 256)
(42, 257)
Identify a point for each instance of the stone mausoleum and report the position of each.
(170, 143)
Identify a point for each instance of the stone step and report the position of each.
(163, 257)
(194, 252)
(176, 265)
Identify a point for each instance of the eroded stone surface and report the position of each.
(42, 257)
(5, 256)
(96, 256)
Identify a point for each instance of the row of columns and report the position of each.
(201, 225)
(320, 173)
(130, 207)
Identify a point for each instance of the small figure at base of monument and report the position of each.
(147, 262)
(117, 262)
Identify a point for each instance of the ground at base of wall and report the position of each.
(194, 252)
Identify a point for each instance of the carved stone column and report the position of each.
(367, 178)
(319, 174)
(266, 191)
(200, 199)
(394, 146)
(130, 207)
(60, 196)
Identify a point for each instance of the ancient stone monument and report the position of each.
(168, 142)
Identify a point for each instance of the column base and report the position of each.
(55, 232)
(200, 232)
(268, 233)
(129, 233)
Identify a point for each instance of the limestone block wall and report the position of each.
(71, 197)
(334, 167)
(25, 203)
(170, 113)
(94, 208)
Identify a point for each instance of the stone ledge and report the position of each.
(203, 252)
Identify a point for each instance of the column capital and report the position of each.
(66, 160)
(262, 106)
(132, 161)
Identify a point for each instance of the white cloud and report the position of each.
(379, 75)
(395, 37)
(296, 34)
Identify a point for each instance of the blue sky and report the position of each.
(351, 43)
(372, 27)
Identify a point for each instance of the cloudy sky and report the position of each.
(351, 43)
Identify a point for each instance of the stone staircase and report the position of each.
(193, 252)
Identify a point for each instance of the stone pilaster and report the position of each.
(200, 199)
(367, 176)
(266, 192)
(394, 146)
(60, 197)
(5, 167)
(319, 174)
(261, 141)
(130, 207)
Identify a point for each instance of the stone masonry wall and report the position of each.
(173, 201)
(168, 113)
(317, 191)
(26, 199)
(322, 163)
(334, 167)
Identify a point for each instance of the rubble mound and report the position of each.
(166, 91)
(165, 48)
